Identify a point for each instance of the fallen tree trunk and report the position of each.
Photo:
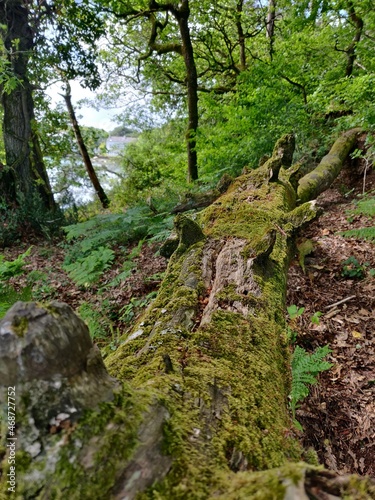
(317, 181)
(205, 377)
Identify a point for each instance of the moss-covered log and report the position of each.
(317, 181)
(202, 407)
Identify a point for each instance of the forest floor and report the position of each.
(339, 415)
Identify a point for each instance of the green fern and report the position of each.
(362, 233)
(8, 269)
(135, 224)
(128, 265)
(305, 369)
(88, 270)
(98, 324)
(365, 206)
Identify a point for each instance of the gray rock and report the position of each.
(47, 355)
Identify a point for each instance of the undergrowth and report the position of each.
(8, 294)
(28, 217)
(305, 369)
(94, 239)
(365, 206)
(87, 270)
(305, 366)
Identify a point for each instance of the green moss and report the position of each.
(112, 434)
(189, 232)
(271, 484)
(227, 382)
(50, 309)
(359, 489)
(20, 326)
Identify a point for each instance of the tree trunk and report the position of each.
(82, 147)
(182, 15)
(23, 154)
(241, 35)
(351, 50)
(205, 374)
(317, 181)
(270, 25)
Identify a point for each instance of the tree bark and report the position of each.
(182, 16)
(317, 181)
(23, 153)
(351, 50)
(241, 35)
(270, 25)
(205, 373)
(104, 200)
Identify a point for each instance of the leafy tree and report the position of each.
(165, 31)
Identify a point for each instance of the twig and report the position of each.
(341, 302)
(331, 313)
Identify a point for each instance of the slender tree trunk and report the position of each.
(23, 153)
(351, 51)
(241, 36)
(182, 15)
(82, 147)
(270, 27)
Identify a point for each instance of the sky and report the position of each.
(86, 115)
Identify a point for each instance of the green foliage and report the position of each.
(99, 326)
(40, 282)
(8, 269)
(87, 270)
(350, 99)
(128, 265)
(295, 311)
(157, 157)
(362, 233)
(315, 318)
(137, 223)
(128, 312)
(364, 206)
(351, 268)
(123, 131)
(305, 369)
(9, 296)
(29, 217)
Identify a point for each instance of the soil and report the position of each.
(338, 417)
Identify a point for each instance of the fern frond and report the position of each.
(136, 223)
(88, 270)
(365, 207)
(362, 233)
(305, 369)
(11, 268)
